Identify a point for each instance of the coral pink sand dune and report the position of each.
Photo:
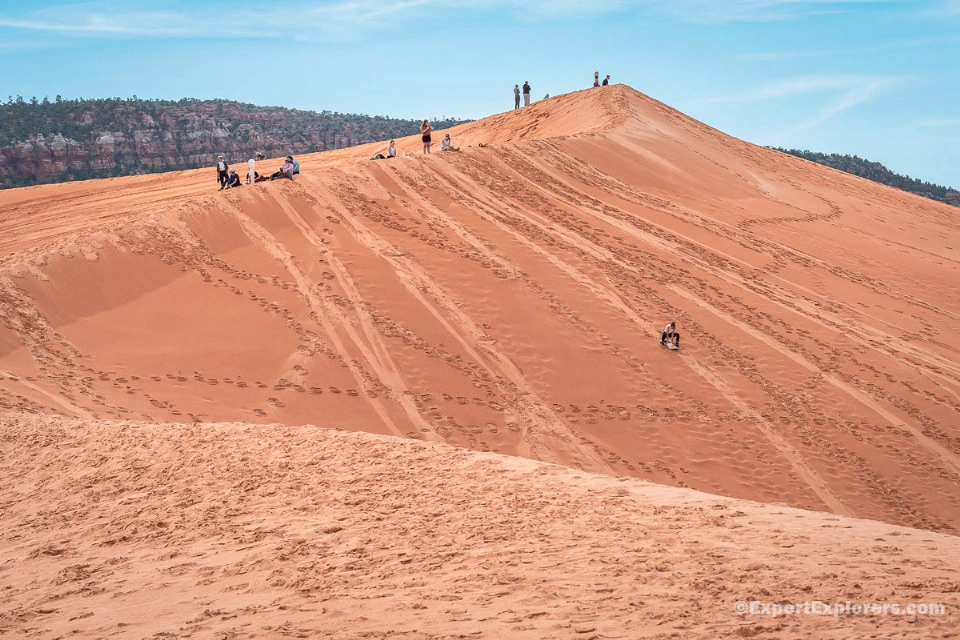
(234, 530)
(507, 298)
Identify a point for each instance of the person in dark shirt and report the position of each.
(425, 131)
(233, 179)
(606, 81)
(526, 93)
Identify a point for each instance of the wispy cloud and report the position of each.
(803, 85)
(949, 7)
(842, 92)
(724, 11)
(298, 20)
(848, 99)
(248, 18)
(182, 20)
(126, 25)
(935, 123)
(912, 43)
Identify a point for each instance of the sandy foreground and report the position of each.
(504, 299)
(135, 530)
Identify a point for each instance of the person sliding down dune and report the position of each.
(670, 335)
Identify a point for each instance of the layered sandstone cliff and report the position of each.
(82, 139)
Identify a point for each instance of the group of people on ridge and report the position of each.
(526, 94)
(426, 131)
(228, 177)
(446, 144)
(525, 91)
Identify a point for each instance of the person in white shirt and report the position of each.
(222, 169)
(447, 145)
(392, 150)
(286, 170)
(670, 335)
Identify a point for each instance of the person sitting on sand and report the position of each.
(392, 150)
(233, 179)
(447, 145)
(606, 81)
(670, 335)
(286, 170)
(296, 165)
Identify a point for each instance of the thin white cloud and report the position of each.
(936, 123)
(130, 25)
(857, 93)
(843, 92)
(248, 18)
(104, 23)
(911, 43)
(298, 20)
(949, 7)
(551, 9)
(849, 99)
(724, 11)
(801, 85)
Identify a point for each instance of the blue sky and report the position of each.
(878, 78)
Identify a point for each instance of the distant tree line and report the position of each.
(878, 173)
(53, 141)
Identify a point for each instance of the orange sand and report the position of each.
(507, 298)
(268, 531)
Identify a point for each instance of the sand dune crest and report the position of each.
(509, 298)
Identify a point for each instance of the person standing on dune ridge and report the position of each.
(516, 96)
(526, 93)
(425, 130)
(222, 169)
